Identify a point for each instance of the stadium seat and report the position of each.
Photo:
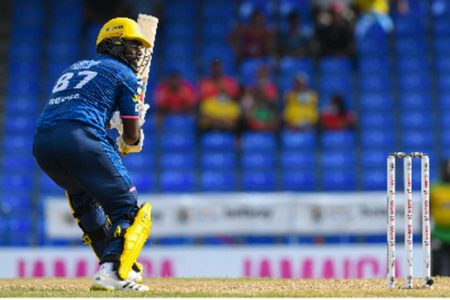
(299, 181)
(258, 142)
(21, 105)
(289, 67)
(408, 27)
(178, 161)
(143, 161)
(258, 181)
(177, 30)
(445, 138)
(415, 139)
(375, 159)
(218, 160)
(177, 142)
(21, 161)
(337, 160)
(338, 140)
(295, 160)
(376, 120)
(441, 29)
(415, 101)
(213, 10)
(177, 182)
(373, 48)
(257, 161)
(341, 66)
(410, 46)
(217, 141)
(376, 101)
(16, 125)
(374, 179)
(417, 120)
(442, 65)
(418, 65)
(445, 120)
(218, 181)
(179, 123)
(444, 84)
(334, 84)
(17, 182)
(216, 29)
(442, 45)
(18, 224)
(145, 181)
(375, 83)
(339, 180)
(305, 140)
(15, 203)
(415, 81)
(377, 139)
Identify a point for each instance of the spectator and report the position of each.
(252, 40)
(300, 110)
(295, 41)
(376, 12)
(175, 96)
(218, 82)
(259, 103)
(336, 116)
(334, 31)
(219, 112)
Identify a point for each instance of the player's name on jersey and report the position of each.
(84, 64)
(58, 100)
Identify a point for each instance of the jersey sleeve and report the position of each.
(128, 96)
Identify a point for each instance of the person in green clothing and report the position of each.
(440, 212)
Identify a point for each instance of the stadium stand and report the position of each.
(399, 90)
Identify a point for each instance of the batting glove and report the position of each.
(116, 122)
(124, 148)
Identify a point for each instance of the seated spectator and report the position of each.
(252, 40)
(295, 41)
(175, 96)
(260, 103)
(377, 12)
(300, 108)
(334, 32)
(219, 113)
(218, 82)
(336, 116)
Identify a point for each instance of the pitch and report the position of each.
(199, 287)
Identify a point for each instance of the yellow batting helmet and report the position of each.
(125, 28)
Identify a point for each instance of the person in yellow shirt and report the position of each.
(219, 113)
(376, 12)
(300, 110)
(440, 213)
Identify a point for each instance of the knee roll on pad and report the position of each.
(134, 239)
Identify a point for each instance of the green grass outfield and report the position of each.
(199, 287)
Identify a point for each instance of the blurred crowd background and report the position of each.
(245, 95)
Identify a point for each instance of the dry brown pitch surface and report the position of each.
(198, 287)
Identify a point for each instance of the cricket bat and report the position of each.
(148, 25)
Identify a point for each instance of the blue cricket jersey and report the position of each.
(89, 91)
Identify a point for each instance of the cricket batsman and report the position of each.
(72, 147)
